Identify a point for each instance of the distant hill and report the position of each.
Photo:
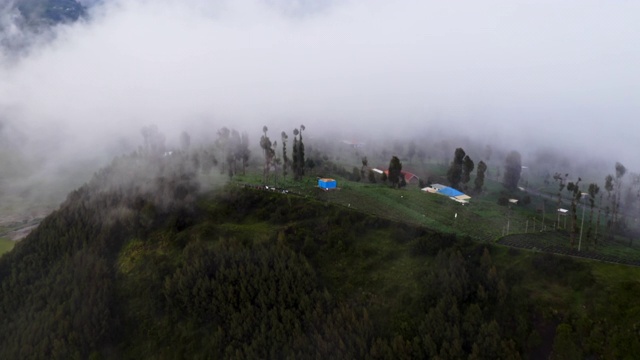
(21, 19)
(50, 11)
(35, 13)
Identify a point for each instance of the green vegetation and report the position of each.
(6, 245)
(164, 271)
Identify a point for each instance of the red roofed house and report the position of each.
(408, 176)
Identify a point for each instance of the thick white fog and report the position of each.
(518, 73)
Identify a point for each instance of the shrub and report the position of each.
(431, 244)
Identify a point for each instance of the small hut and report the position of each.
(327, 184)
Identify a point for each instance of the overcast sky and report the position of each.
(528, 72)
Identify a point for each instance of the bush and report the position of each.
(309, 248)
(431, 244)
(401, 235)
(563, 269)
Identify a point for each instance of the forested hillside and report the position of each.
(142, 263)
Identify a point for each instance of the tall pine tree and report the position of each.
(479, 182)
(295, 163)
(301, 163)
(454, 174)
(285, 159)
(395, 171)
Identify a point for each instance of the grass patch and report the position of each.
(6, 245)
(609, 274)
(480, 220)
(258, 231)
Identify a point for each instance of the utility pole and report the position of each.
(508, 218)
(581, 223)
(544, 205)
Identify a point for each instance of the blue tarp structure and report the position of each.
(451, 192)
(327, 183)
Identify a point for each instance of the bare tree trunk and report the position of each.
(590, 226)
(595, 237)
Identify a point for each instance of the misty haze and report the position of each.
(319, 179)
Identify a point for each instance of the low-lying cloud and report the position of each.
(521, 73)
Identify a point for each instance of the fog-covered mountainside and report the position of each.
(143, 262)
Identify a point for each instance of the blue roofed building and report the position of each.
(327, 184)
(452, 193)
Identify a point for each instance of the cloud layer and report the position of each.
(521, 73)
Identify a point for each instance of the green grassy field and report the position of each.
(6, 245)
(482, 219)
(410, 205)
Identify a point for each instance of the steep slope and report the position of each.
(57, 293)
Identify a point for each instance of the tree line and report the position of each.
(460, 169)
(297, 163)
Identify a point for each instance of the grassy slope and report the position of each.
(409, 205)
(6, 245)
(482, 219)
